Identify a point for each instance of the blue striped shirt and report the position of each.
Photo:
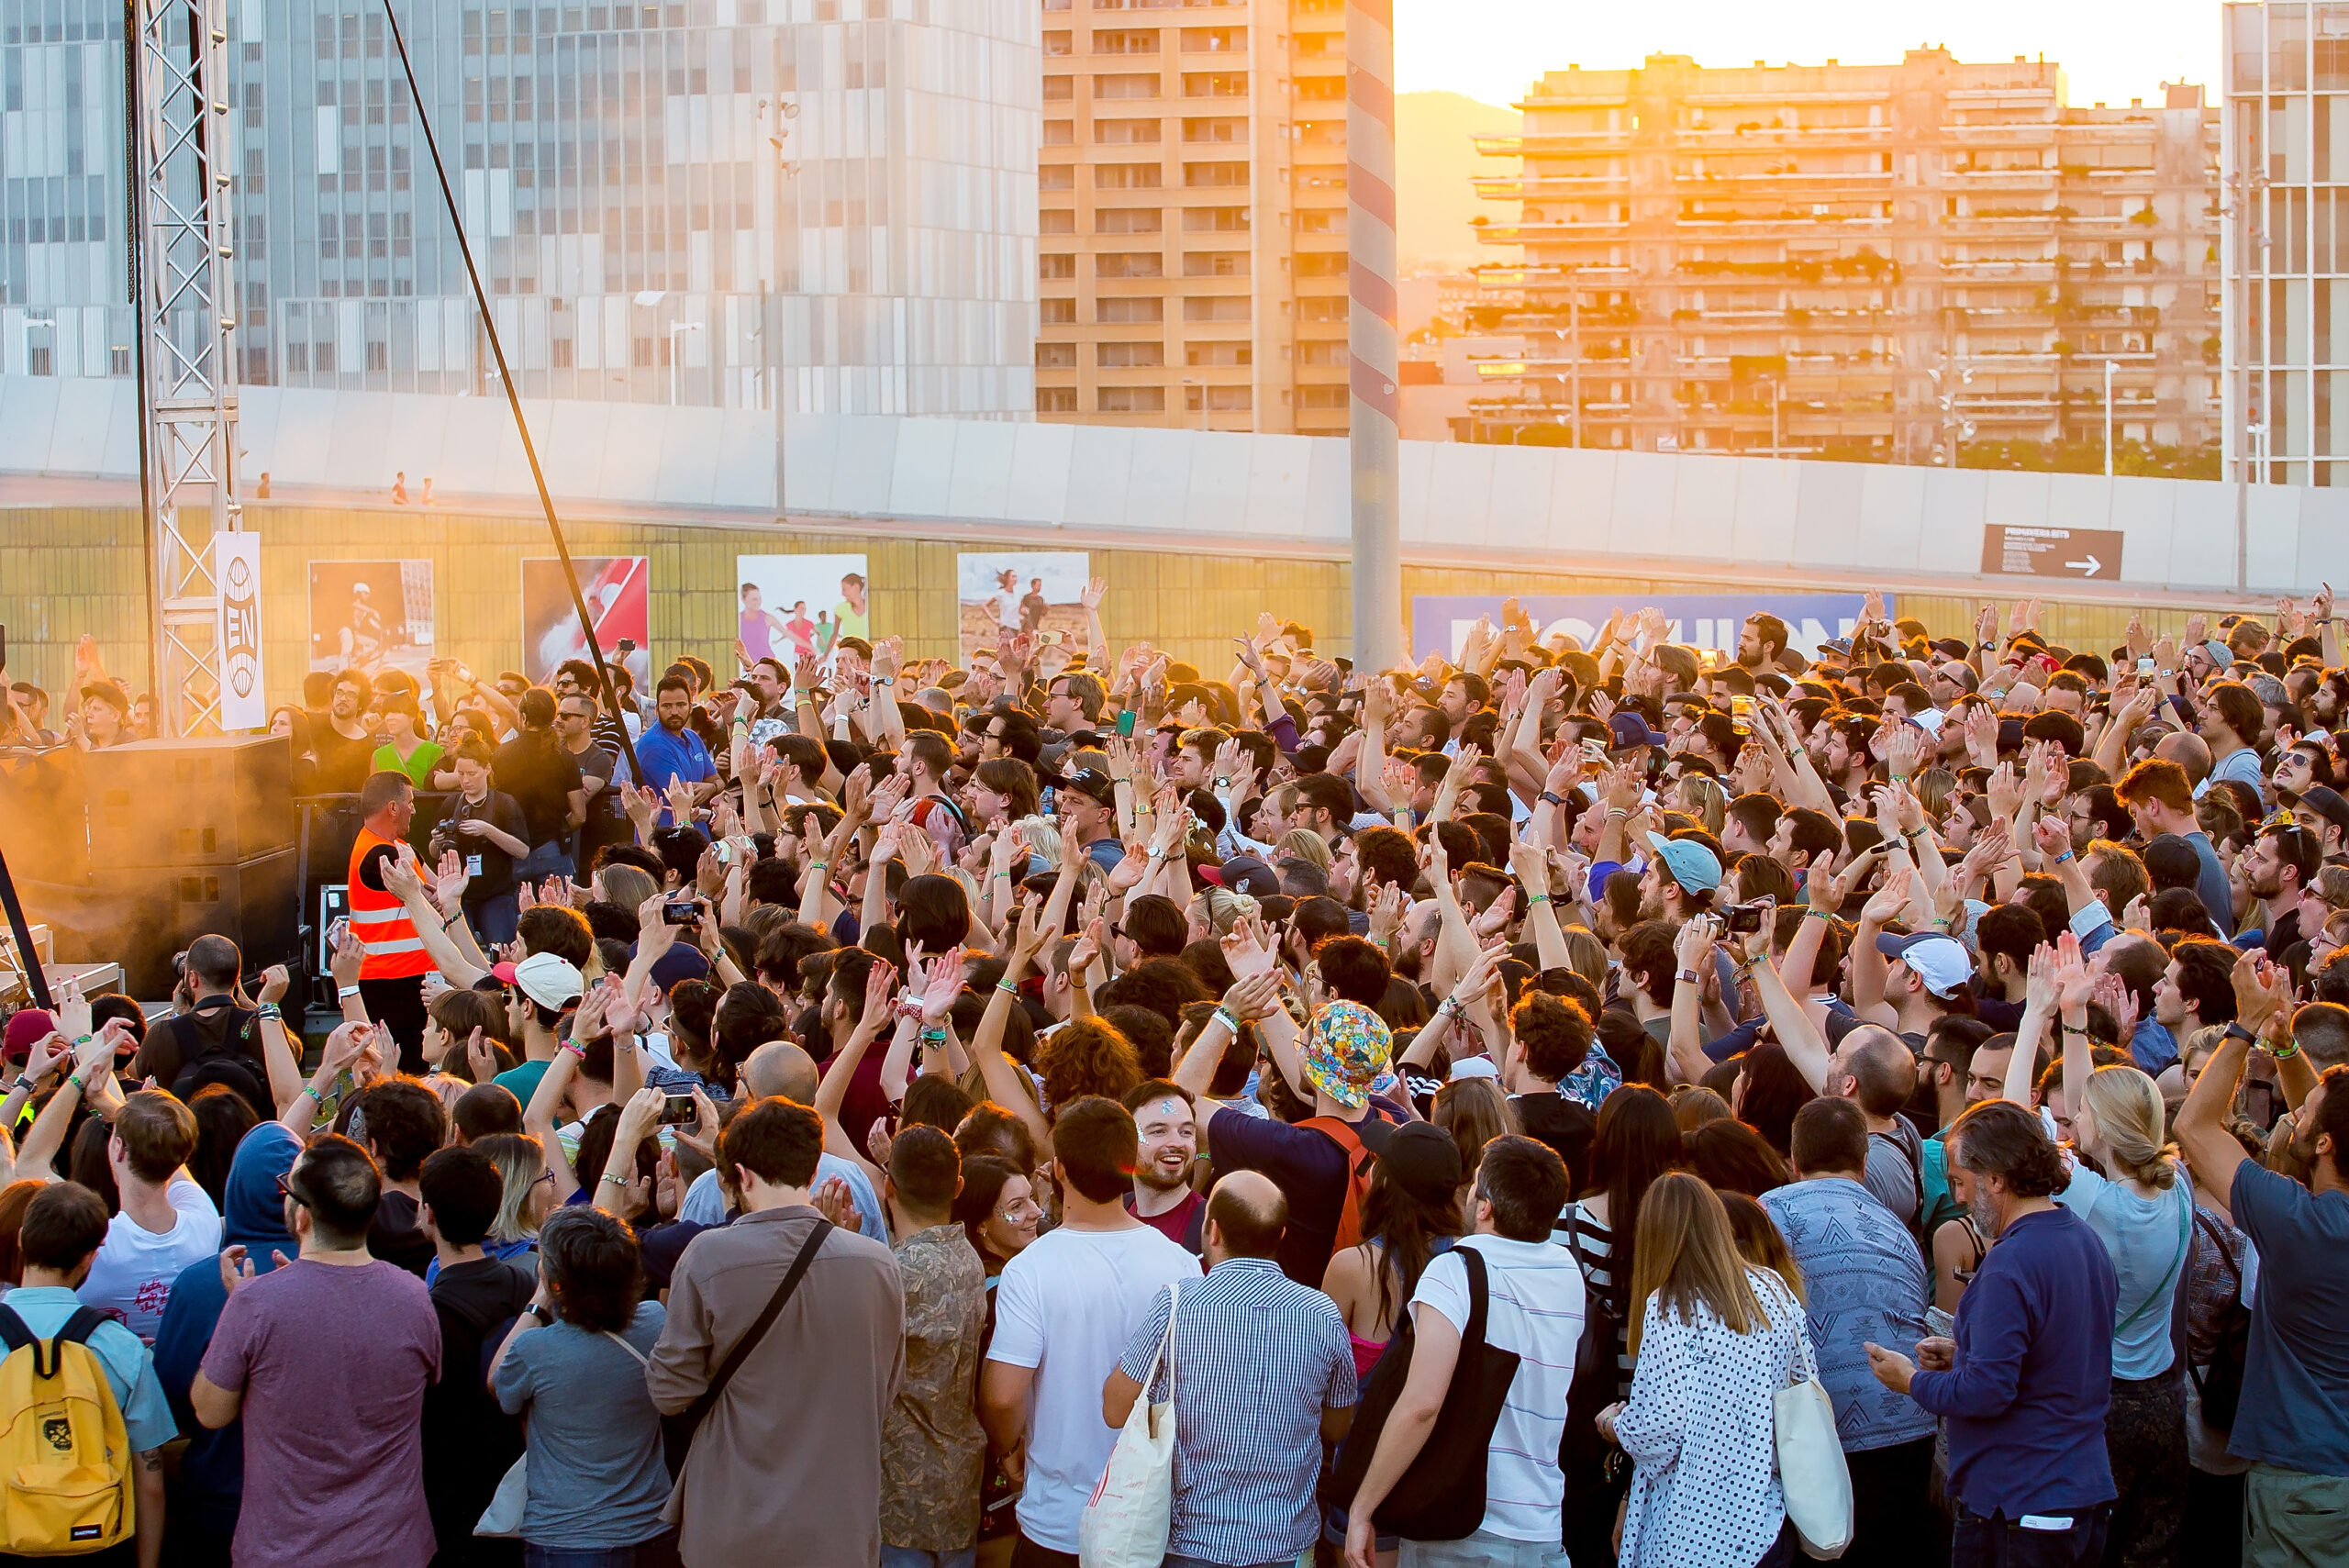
(1257, 1357)
(1536, 1311)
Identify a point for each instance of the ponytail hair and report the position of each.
(2130, 1124)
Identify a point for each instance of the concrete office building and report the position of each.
(1877, 263)
(2285, 242)
(655, 195)
(1193, 211)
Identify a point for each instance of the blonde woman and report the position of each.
(2141, 1206)
(1715, 1338)
(1702, 797)
(1303, 844)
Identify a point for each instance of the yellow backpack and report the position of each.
(65, 1480)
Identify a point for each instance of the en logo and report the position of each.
(57, 1432)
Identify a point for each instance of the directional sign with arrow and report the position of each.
(2081, 555)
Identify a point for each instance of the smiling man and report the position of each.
(1164, 1198)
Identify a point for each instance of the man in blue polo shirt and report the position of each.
(672, 753)
(2025, 1382)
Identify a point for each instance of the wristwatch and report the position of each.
(2236, 1031)
(539, 1311)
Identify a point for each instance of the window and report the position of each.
(297, 357)
(1222, 307)
(1126, 85)
(1224, 131)
(1121, 356)
(1321, 220)
(1056, 400)
(1322, 307)
(1198, 175)
(1051, 266)
(1328, 351)
(1321, 264)
(1057, 43)
(1215, 220)
(1129, 264)
(1131, 400)
(1321, 133)
(1058, 312)
(1125, 220)
(1059, 133)
(1123, 133)
(1125, 40)
(1056, 221)
(1218, 354)
(1125, 176)
(1057, 88)
(1222, 399)
(1320, 46)
(1321, 89)
(1321, 397)
(1215, 264)
(1215, 83)
(1051, 177)
(1056, 356)
(1214, 41)
(1129, 311)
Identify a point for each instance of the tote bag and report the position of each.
(1817, 1481)
(1127, 1521)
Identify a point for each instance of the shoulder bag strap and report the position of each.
(700, 1408)
(642, 1359)
(1479, 1295)
(2169, 1282)
(1165, 1352)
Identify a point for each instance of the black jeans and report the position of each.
(2212, 1537)
(398, 1005)
(1891, 1515)
(1999, 1541)
(1026, 1553)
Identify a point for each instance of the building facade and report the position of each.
(1884, 264)
(1193, 211)
(656, 194)
(2285, 242)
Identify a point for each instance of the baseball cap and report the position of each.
(1344, 1049)
(1941, 962)
(2221, 656)
(2326, 803)
(1244, 873)
(1687, 862)
(549, 979)
(1630, 728)
(27, 1026)
(1091, 782)
(681, 963)
(1418, 1156)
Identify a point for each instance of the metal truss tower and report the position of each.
(181, 279)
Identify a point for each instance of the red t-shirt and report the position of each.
(1176, 1223)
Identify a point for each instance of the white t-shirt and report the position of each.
(1068, 1306)
(1536, 1311)
(131, 1278)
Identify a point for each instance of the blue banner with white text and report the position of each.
(1440, 622)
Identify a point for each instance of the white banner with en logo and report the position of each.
(236, 570)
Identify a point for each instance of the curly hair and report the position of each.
(1087, 1056)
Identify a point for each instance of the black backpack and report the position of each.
(1596, 1472)
(218, 1045)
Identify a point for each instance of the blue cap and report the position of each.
(1630, 728)
(1687, 862)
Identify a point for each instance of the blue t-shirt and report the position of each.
(2150, 1242)
(663, 755)
(1866, 1281)
(2294, 1408)
(131, 1366)
(597, 1477)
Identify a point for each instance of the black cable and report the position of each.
(514, 398)
(134, 248)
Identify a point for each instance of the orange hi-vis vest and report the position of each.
(378, 919)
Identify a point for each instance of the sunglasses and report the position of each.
(287, 1192)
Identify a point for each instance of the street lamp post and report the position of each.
(2110, 367)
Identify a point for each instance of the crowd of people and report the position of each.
(823, 1118)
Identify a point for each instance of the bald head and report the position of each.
(1875, 1067)
(1246, 1213)
(2188, 750)
(780, 1067)
(215, 962)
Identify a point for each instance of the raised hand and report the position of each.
(1249, 949)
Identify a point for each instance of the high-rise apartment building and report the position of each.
(1193, 212)
(2285, 242)
(1875, 262)
(655, 193)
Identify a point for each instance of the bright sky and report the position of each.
(2110, 49)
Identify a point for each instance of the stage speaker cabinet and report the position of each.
(211, 801)
(142, 914)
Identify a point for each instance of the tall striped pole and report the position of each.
(1374, 340)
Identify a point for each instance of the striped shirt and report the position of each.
(1593, 1245)
(1536, 1312)
(1256, 1359)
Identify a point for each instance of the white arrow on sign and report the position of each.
(2090, 566)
